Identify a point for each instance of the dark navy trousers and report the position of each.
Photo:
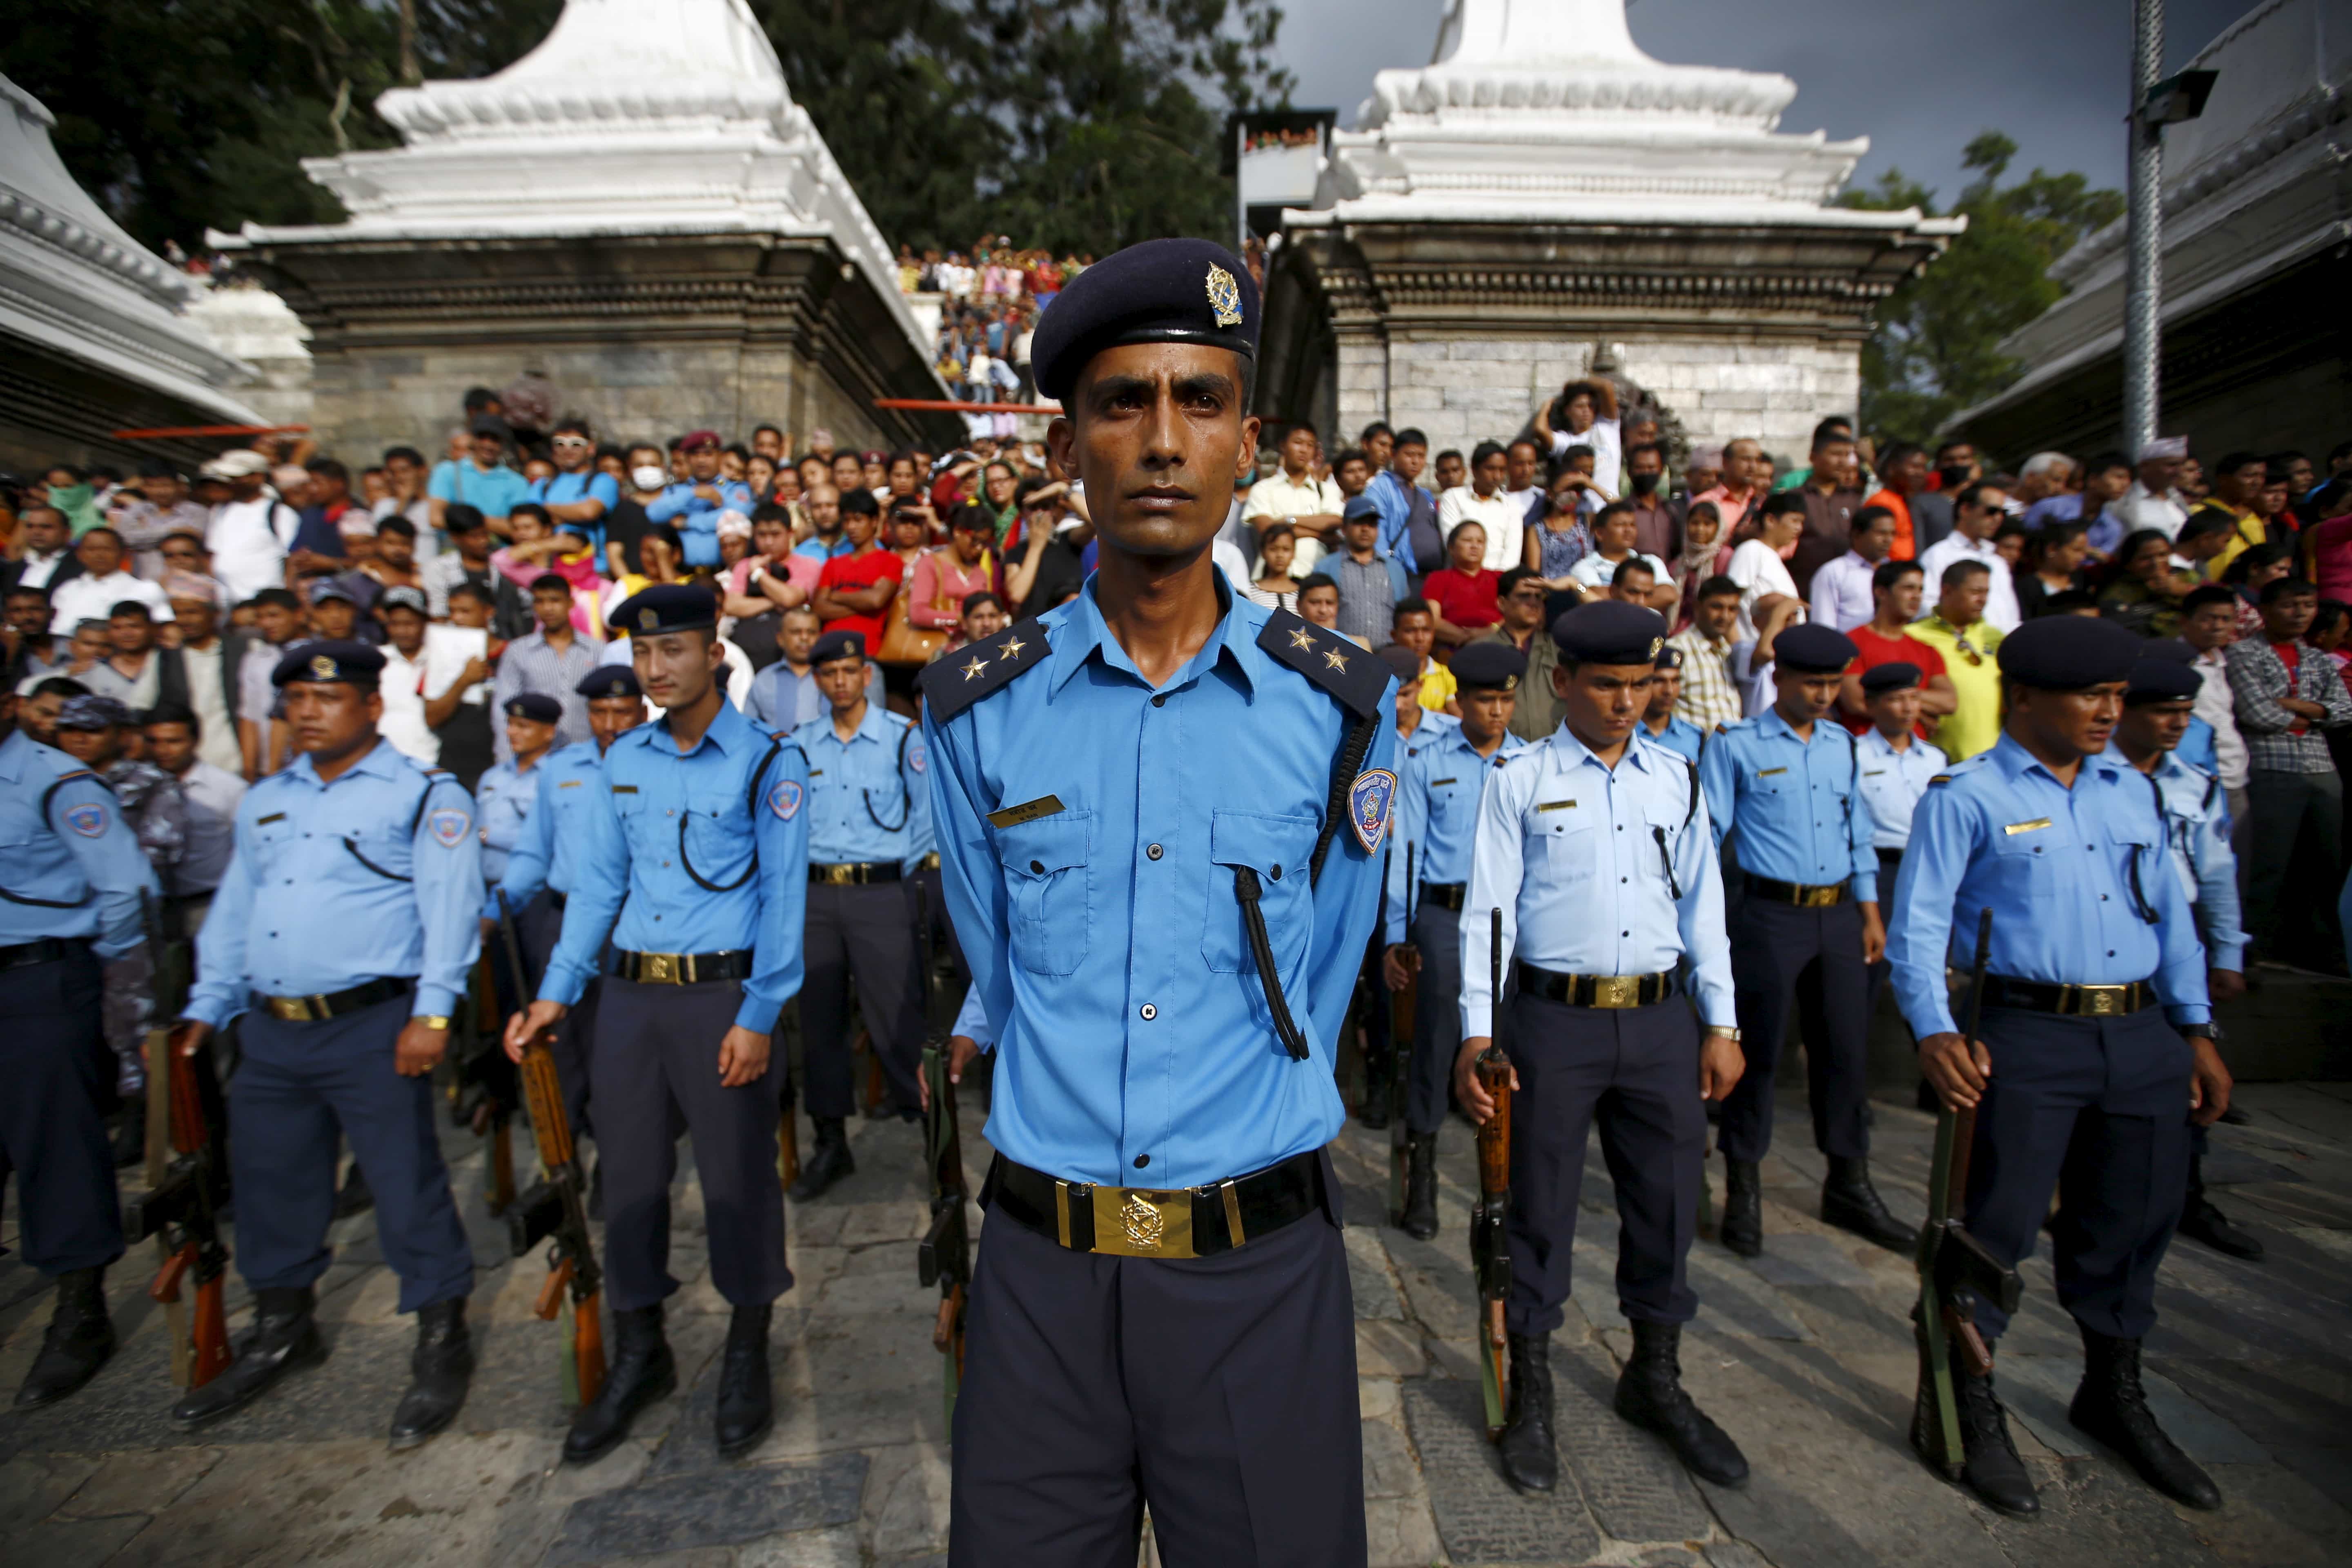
(1634, 1070)
(865, 935)
(539, 925)
(297, 1085)
(1782, 952)
(57, 1075)
(1221, 1391)
(2096, 1108)
(1436, 1016)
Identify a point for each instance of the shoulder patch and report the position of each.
(1348, 673)
(88, 819)
(784, 799)
(954, 683)
(1369, 802)
(448, 825)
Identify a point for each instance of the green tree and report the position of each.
(1935, 350)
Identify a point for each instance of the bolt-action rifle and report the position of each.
(1490, 1252)
(1400, 1062)
(943, 1257)
(482, 1088)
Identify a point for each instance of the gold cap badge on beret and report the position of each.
(647, 620)
(322, 668)
(1510, 683)
(1655, 644)
(1224, 297)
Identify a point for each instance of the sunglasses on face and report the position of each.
(567, 443)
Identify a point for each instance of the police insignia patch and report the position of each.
(917, 758)
(1224, 297)
(322, 668)
(89, 821)
(647, 620)
(784, 800)
(448, 825)
(1368, 806)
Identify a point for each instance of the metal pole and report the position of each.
(1241, 196)
(2142, 283)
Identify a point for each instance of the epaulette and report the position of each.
(1348, 672)
(954, 683)
(1961, 769)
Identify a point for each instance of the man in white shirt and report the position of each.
(174, 740)
(1759, 566)
(1585, 415)
(2209, 624)
(252, 530)
(102, 585)
(196, 604)
(1841, 587)
(1977, 512)
(402, 614)
(1292, 494)
(1485, 501)
(2152, 501)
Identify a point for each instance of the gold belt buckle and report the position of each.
(2102, 1001)
(1821, 898)
(840, 876)
(1616, 989)
(931, 861)
(657, 968)
(1138, 1222)
(290, 1009)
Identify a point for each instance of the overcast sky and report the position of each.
(1920, 78)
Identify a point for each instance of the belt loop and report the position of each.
(1062, 1209)
(688, 964)
(1233, 1212)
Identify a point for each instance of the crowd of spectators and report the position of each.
(989, 298)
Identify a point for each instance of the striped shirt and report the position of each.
(530, 664)
(1709, 695)
(2276, 740)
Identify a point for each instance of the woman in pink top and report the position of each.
(2329, 544)
(537, 549)
(944, 577)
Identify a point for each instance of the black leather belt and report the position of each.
(853, 873)
(1145, 1222)
(681, 968)
(1595, 990)
(48, 950)
(1445, 895)
(2071, 1000)
(318, 1009)
(1802, 894)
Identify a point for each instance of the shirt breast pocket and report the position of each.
(1561, 838)
(719, 849)
(1278, 849)
(2028, 859)
(1049, 889)
(269, 844)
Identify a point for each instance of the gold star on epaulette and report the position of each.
(1301, 637)
(975, 668)
(1013, 648)
(1332, 657)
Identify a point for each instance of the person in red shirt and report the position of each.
(1465, 596)
(1897, 589)
(854, 590)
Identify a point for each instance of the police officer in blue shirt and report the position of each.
(508, 791)
(693, 859)
(1662, 723)
(1596, 845)
(869, 827)
(543, 866)
(2149, 737)
(1160, 811)
(1787, 782)
(693, 504)
(70, 899)
(1437, 810)
(1896, 766)
(2098, 1034)
(342, 931)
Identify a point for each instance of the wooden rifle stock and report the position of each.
(1490, 1255)
(1942, 1324)
(182, 1178)
(944, 1255)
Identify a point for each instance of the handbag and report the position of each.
(903, 642)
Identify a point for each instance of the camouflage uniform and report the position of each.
(158, 814)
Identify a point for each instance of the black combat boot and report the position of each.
(284, 1338)
(1530, 1452)
(1650, 1394)
(1743, 1207)
(642, 1371)
(442, 1366)
(827, 1164)
(356, 1196)
(1373, 1112)
(80, 1340)
(2200, 1221)
(1989, 1466)
(1851, 1203)
(746, 1392)
(1421, 1187)
(2112, 1406)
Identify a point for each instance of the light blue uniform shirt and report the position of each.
(2197, 829)
(1680, 735)
(75, 855)
(1798, 815)
(815, 548)
(564, 489)
(494, 492)
(1576, 856)
(661, 811)
(332, 885)
(867, 798)
(547, 853)
(2055, 866)
(1892, 783)
(1106, 940)
(696, 519)
(784, 699)
(504, 798)
(1438, 786)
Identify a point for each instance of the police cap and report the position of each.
(92, 711)
(2067, 653)
(1609, 631)
(666, 607)
(325, 588)
(2161, 681)
(536, 706)
(1402, 662)
(1812, 650)
(1881, 678)
(328, 663)
(837, 645)
(610, 680)
(1160, 291)
(1670, 659)
(1488, 666)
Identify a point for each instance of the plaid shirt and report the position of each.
(1709, 695)
(2278, 741)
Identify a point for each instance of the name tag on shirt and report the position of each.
(1768, 773)
(273, 816)
(569, 783)
(2036, 825)
(1027, 811)
(1557, 806)
(1441, 783)
(1873, 773)
(624, 789)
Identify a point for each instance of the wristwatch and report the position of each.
(433, 1020)
(1726, 1030)
(2210, 1029)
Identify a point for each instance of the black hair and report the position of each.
(1410, 437)
(2268, 553)
(859, 502)
(2279, 588)
(771, 512)
(2232, 461)
(461, 517)
(58, 685)
(1313, 580)
(1614, 509)
(575, 425)
(328, 469)
(131, 607)
(532, 508)
(1958, 570)
(2106, 463)
(1486, 449)
(174, 713)
(27, 590)
(475, 590)
(280, 598)
(1379, 427)
(481, 397)
(1511, 579)
(1632, 564)
(980, 599)
(397, 526)
(2205, 594)
(410, 453)
(1780, 502)
(1870, 514)
(1836, 428)
(1412, 606)
(551, 581)
(1715, 587)
(1890, 572)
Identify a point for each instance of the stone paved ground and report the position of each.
(1804, 1356)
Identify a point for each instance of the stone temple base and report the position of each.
(648, 336)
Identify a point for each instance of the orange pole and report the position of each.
(945, 405)
(193, 432)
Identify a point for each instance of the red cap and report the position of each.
(696, 439)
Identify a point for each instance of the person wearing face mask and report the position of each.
(626, 521)
(1657, 521)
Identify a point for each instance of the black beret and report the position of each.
(1402, 662)
(2171, 649)
(2161, 681)
(1813, 649)
(1609, 631)
(1488, 666)
(535, 705)
(2067, 653)
(1899, 675)
(666, 607)
(837, 645)
(1670, 659)
(610, 680)
(352, 663)
(1160, 291)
